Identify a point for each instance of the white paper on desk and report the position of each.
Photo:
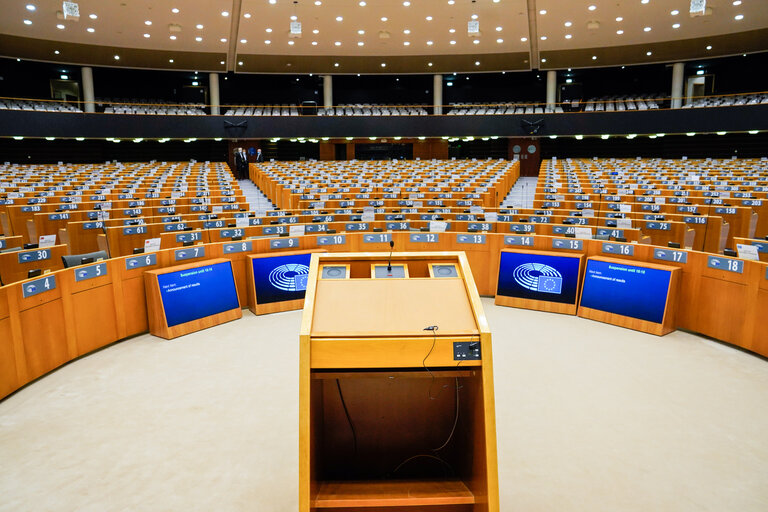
(151, 245)
(746, 252)
(659, 200)
(217, 209)
(475, 209)
(625, 208)
(437, 226)
(491, 217)
(418, 204)
(583, 233)
(624, 223)
(367, 217)
(46, 241)
(296, 230)
(589, 212)
(242, 222)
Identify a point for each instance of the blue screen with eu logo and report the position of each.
(197, 292)
(527, 275)
(628, 290)
(280, 278)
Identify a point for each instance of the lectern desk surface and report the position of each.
(392, 307)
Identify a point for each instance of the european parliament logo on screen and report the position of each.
(281, 277)
(290, 277)
(527, 275)
(538, 277)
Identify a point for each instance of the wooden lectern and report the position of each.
(395, 416)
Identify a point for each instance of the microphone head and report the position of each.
(392, 243)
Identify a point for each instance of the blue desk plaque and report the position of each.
(425, 238)
(519, 240)
(281, 243)
(470, 239)
(91, 271)
(377, 238)
(621, 249)
(728, 264)
(38, 286)
(670, 255)
(35, 255)
(332, 240)
(567, 243)
(189, 237)
(144, 260)
(237, 247)
(189, 253)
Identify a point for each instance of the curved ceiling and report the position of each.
(375, 36)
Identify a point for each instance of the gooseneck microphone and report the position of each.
(389, 261)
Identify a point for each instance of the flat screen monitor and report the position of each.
(280, 278)
(197, 292)
(628, 290)
(543, 277)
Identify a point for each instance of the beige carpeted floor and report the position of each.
(590, 417)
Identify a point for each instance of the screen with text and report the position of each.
(627, 290)
(197, 292)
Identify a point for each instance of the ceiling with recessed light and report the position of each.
(375, 36)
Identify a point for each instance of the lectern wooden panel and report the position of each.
(396, 388)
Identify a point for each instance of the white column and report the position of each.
(437, 93)
(678, 74)
(213, 89)
(327, 91)
(87, 74)
(551, 89)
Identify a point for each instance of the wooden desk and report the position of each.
(367, 361)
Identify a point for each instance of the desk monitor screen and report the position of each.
(281, 278)
(550, 278)
(197, 292)
(627, 290)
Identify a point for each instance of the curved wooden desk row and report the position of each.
(50, 320)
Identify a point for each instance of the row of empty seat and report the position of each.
(38, 106)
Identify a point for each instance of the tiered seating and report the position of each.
(483, 109)
(156, 107)
(268, 110)
(625, 102)
(367, 109)
(703, 204)
(728, 101)
(81, 204)
(38, 106)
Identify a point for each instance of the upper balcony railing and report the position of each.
(623, 103)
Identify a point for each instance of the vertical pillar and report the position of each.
(551, 89)
(327, 91)
(87, 75)
(678, 74)
(213, 89)
(437, 94)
